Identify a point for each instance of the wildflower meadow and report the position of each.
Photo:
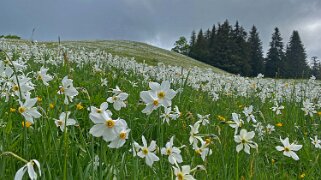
(73, 112)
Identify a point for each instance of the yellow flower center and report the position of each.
(62, 89)
(99, 111)
(110, 123)
(28, 124)
(156, 102)
(122, 135)
(168, 151)
(161, 95)
(15, 88)
(39, 77)
(145, 151)
(114, 98)
(208, 140)
(198, 151)
(60, 122)
(286, 149)
(243, 141)
(180, 176)
(21, 109)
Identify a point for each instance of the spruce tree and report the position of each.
(275, 56)
(256, 59)
(200, 47)
(222, 52)
(207, 35)
(296, 65)
(239, 57)
(192, 45)
(212, 47)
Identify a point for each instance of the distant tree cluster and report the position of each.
(236, 51)
(10, 37)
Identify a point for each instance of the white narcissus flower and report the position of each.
(276, 108)
(183, 173)
(237, 122)
(25, 86)
(31, 171)
(193, 138)
(316, 142)
(269, 129)
(135, 148)
(104, 81)
(151, 101)
(288, 149)
(148, 152)
(204, 150)
(173, 153)
(68, 90)
(204, 119)
(177, 113)
(105, 126)
(64, 120)
(245, 140)
(120, 140)
(163, 92)
(42, 75)
(260, 129)
(118, 100)
(308, 108)
(248, 112)
(99, 111)
(116, 91)
(167, 115)
(159, 95)
(28, 111)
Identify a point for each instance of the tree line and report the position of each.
(234, 50)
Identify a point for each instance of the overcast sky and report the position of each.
(159, 22)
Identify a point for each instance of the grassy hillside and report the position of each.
(141, 52)
(120, 125)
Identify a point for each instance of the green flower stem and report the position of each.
(14, 155)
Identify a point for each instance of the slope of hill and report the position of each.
(142, 52)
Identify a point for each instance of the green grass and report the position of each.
(142, 52)
(70, 155)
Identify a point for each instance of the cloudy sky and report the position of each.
(158, 22)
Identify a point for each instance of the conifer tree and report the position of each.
(275, 56)
(212, 47)
(207, 35)
(240, 51)
(296, 65)
(256, 59)
(222, 52)
(192, 45)
(200, 47)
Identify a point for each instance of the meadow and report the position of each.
(73, 112)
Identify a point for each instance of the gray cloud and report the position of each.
(159, 22)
